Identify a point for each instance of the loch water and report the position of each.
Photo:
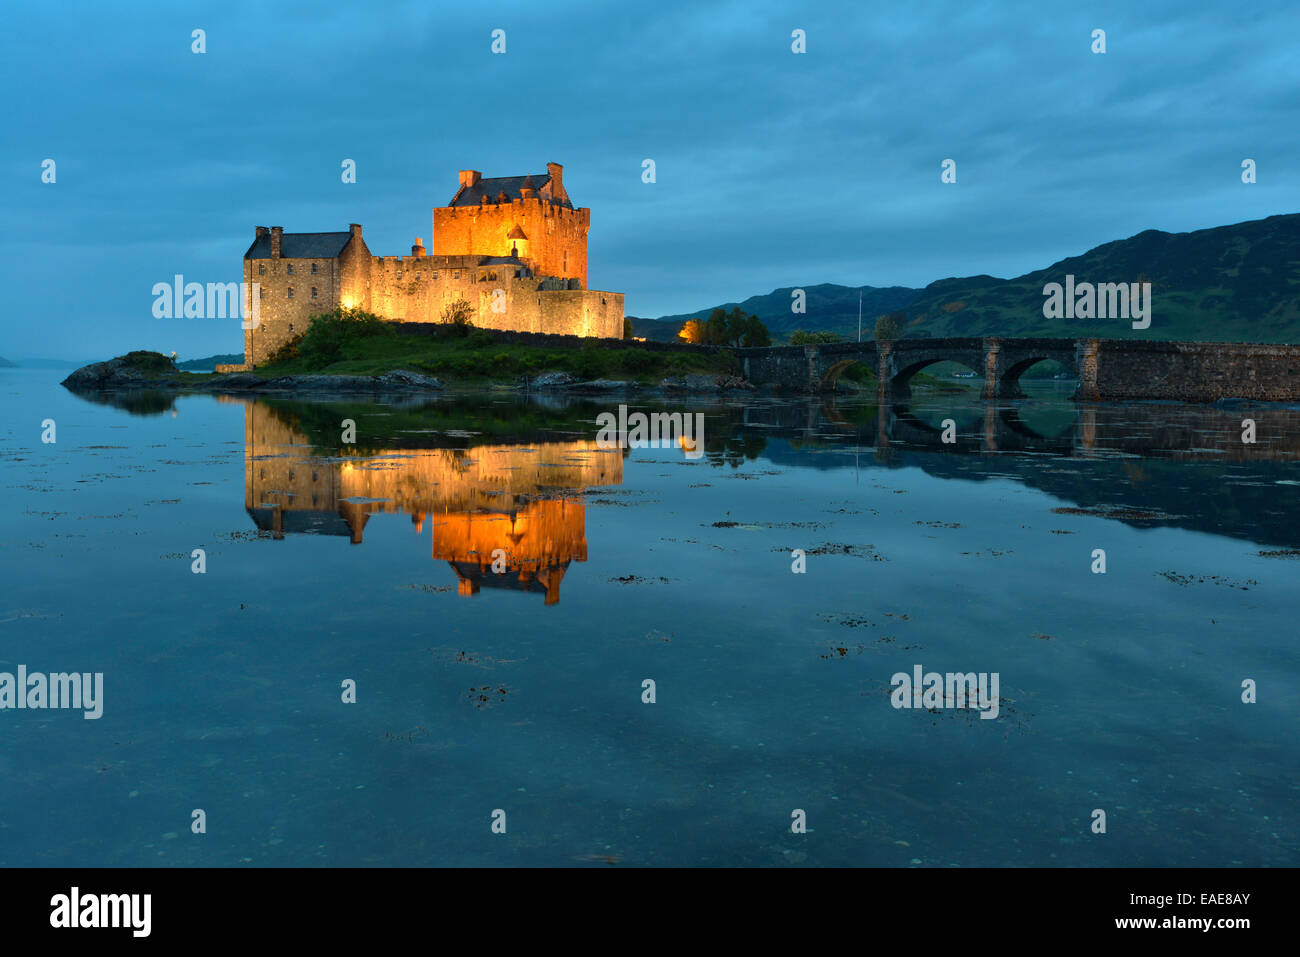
(520, 689)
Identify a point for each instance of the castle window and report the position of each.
(261, 269)
(313, 269)
(456, 275)
(435, 274)
(291, 327)
(290, 269)
(313, 292)
(291, 292)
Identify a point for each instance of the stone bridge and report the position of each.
(1105, 369)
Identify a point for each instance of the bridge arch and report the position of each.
(838, 367)
(907, 367)
(1015, 367)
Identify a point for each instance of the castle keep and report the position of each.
(513, 247)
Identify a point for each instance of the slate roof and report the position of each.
(492, 186)
(500, 261)
(301, 246)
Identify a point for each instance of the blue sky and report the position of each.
(773, 168)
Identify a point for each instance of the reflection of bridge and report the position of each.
(1106, 369)
(1200, 433)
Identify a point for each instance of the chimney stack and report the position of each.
(418, 249)
(355, 228)
(262, 231)
(470, 177)
(277, 235)
(557, 180)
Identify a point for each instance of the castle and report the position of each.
(513, 247)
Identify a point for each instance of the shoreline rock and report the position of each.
(121, 373)
(150, 371)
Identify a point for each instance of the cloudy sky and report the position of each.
(773, 168)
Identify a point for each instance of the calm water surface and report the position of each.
(521, 689)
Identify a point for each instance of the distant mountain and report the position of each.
(828, 307)
(1229, 283)
(211, 362)
(27, 363)
(6, 364)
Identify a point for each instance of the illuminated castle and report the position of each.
(513, 247)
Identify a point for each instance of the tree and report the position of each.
(737, 325)
(888, 328)
(692, 332)
(756, 333)
(715, 330)
(458, 313)
(457, 319)
(628, 328)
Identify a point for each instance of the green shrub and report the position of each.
(588, 363)
(637, 362)
(146, 361)
(331, 336)
(479, 339)
(801, 338)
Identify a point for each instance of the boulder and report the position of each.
(603, 385)
(551, 379)
(134, 369)
(405, 379)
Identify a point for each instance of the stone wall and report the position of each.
(1193, 371)
(418, 289)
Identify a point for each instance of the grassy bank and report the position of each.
(358, 344)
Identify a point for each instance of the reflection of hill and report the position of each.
(492, 509)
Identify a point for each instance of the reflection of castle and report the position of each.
(477, 501)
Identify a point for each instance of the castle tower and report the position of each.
(531, 215)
